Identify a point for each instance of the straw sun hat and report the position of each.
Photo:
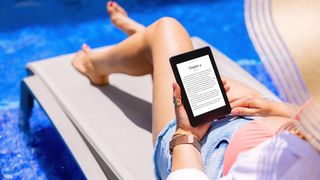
(286, 35)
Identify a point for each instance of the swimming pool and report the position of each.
(36, 29)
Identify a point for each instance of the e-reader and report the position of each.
(202, 91)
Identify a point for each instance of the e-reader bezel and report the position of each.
(213, 114)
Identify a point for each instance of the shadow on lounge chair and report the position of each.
(136, 109)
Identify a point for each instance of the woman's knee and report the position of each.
(168, 37)
(166, 22)
(166, 26)
(171, 25)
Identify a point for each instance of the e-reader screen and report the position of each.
(201, 85)
(202, 91)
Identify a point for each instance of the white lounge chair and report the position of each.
(107, 129)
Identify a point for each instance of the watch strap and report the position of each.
(184, 139)
(180, 132)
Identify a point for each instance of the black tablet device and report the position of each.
(202, 91)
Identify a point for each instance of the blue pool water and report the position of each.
(36, 29)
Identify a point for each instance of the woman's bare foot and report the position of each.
(83, 60)
(83, 63)
(119, 17)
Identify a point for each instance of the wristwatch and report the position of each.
(180, 131)
(184, 139)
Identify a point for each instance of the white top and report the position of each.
(284, 156)
(188, 174)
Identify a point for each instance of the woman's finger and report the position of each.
(241, 102)
(224, 82)
(226, 88)
(233, 98)
(243, 111)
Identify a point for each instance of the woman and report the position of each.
(147, 51)
(294, 153)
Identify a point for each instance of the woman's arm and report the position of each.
(186, 158)
(186, 155)
(283, 109)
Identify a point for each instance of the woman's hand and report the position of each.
(254, 105)
(182, 117)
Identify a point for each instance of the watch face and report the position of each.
(190, 139)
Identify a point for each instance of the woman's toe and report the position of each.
(110, 7)
(85, 48)
(78, 64)
(119, 9)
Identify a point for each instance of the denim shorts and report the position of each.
(213, 147)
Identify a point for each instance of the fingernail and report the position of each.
(174, 86)
(235, 112)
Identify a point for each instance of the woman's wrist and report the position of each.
(190, 148)
(184, 137)
(180, 131)
(276, 109)
(199, 131)
(283, 109)
(179, 160)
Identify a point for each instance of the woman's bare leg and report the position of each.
(147, 51)
(120, 19)
(175, 40)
